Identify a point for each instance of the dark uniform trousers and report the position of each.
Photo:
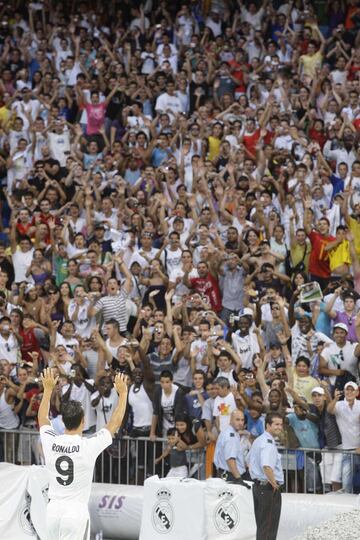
(267, 506)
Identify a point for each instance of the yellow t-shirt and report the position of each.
(310, 63)
(340, 255)
(4, 115)
(354, 227)
(214, 147)
(304, 385)
(297, 254)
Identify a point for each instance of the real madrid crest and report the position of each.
(163, 514)
(226, 515)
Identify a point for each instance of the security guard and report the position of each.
(266, 471)
(229, 456)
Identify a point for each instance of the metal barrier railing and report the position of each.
(309, 470)
(127, 461)
(132, 460)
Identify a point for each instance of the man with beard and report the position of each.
(245, 342)
(304, 338)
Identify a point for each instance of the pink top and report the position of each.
(95, 117)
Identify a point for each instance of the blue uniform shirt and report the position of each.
(229, 446)
(264, 453)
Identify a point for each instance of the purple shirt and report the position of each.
(342, 317)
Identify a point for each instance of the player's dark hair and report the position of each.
(72, 414)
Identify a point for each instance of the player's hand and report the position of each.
(48, 379)
(120, 383)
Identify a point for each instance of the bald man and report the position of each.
(229, 456)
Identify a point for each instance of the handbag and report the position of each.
(299, 267)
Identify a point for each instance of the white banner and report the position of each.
(173, 508)
(38, 487)
(116, 510)
(15, 521)
(229, 511)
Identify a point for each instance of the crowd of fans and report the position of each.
(180, 201)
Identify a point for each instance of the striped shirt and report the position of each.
(159, 364)
(114, 307)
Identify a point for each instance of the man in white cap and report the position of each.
(347, 414)
(329, 434)
(341, 356)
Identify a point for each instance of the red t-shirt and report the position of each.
(269, 137)
(29, 344)
(95, 117)
(356, 123)
(317, 136)
(319, 258)
(250, 141)
(238, 74)
(23, 229)
(209, 287)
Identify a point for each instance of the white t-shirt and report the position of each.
(69, 344)
(104, 408)
(201, 346)
(21, 262)
(341, 358)
(180, 288)
(223, 407)
(59, 144)
(15, 136)
(245, 347)
(70, 459)
(167, 405)
(171, 260)
(141, 405)
(82, 394)
(137, 257)
(9, 348)
(84, 324)
(165, 102)
(348, 421)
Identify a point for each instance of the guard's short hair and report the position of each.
(72, 414)
(270, 417)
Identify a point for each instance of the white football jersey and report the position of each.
(70, 460)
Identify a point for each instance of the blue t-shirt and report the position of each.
(323, 323)
(193, 405)
(306, 431)
(255, 427)
(158, 156)
(338, 185)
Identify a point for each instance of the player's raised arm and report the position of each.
(118, 414)
(49, 382)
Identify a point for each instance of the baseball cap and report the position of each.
(342, 326)
(246, 311)
(318, 390)
(352, 384)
